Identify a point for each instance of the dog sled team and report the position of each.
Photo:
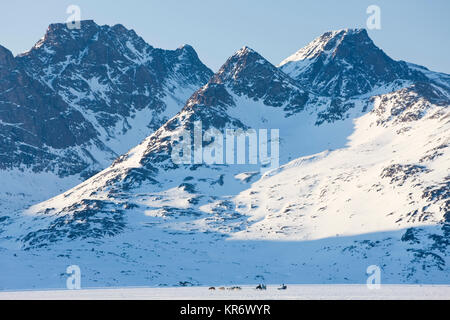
(261, 287)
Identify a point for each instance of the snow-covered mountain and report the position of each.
(393, 174)
(247, 92)
(121, 84)
(346, 63)
(82, 97)
(362, 179)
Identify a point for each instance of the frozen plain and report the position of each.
(294, 292)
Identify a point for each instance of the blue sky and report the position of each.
(416, 30)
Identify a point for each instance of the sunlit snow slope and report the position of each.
(363, 180)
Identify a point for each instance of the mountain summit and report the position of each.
(250, 74)
(120, 88)
(345, 63)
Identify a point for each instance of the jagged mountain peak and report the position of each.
(241, 63)
(346, 63)
(86, 26)
(106, 44)
(59, 42)
(186, 48)
(249, 73)
(328, 43)
(187, 52)
(115, 46)
(108, 55)
(245, 50)
(123, 87)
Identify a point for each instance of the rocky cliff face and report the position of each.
(79, 98)
(346, 63)
(35, 122)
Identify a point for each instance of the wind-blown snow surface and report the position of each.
(371, 187)
(294, 292)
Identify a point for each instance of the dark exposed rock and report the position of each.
(337, 111)
(410, 104)
(33, 119)
(7, 62)
(248, 73)
(400, 173)
(410, 236)
(76, 90)
(87, 219)
(346, 63)
(440, 193)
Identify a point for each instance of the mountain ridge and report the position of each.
(109, 87)
(317, 212)
(79, 99)
(346, 63)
